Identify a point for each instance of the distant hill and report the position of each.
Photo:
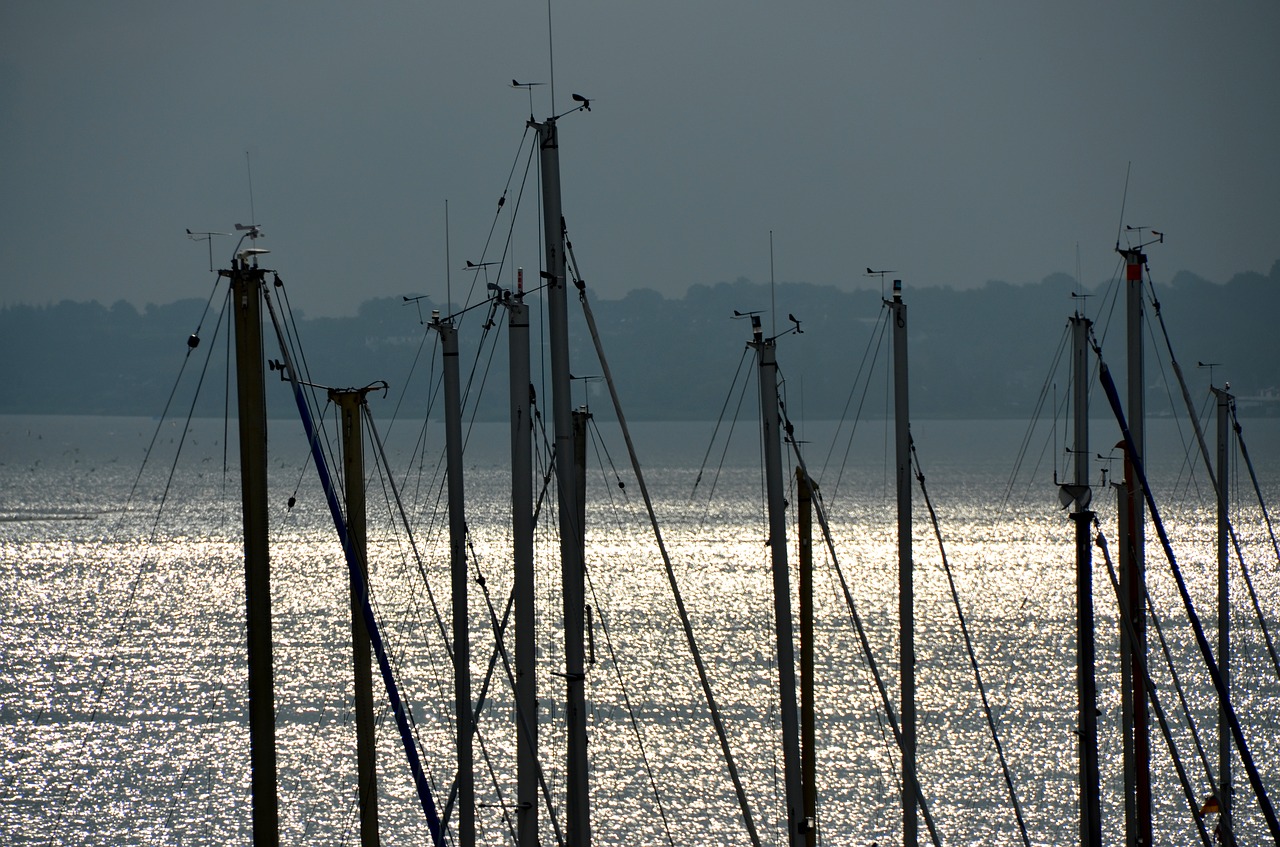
(981, 353)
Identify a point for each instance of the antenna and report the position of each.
(448, 278)
(1079, 273)
(1124, 198)
(551, 57)
(248, 164)
(773, 299)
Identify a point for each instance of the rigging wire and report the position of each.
(226, 404)
(968, 646)
(631, 715)
(599, 445)
(404, 521)
(597, 441)
(444, 636)
(127, 611)
(1241, 745)
(1021, 455)
(685, 621)
(296, 353)
(500, 651)
(173, 467)
(192, 342)
(1262, 503)
(1209, 469)
(875, 343)
(413, 613)
(360, 589)
(820, 510)
(499, 628)
(737, 413)
(1172, 668)
(1128, 633)
(716, 430)
(1112, 296)
(493, 225)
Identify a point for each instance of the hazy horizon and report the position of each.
(951, 145)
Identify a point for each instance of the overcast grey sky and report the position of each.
(951, 142)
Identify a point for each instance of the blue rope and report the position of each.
(1255, 779)
(360, 589)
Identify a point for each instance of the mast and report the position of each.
(573, 575)
(522, 549)
(458, 570)
(906, 588)
(246, 294)
(808, 739)
(351, 404)
(771, 433)
(581, 417)
(1224, 625)
(1137, 745)
(1080, 495)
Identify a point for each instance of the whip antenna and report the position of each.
(551, 57)
(248, 166)
(1124, 198)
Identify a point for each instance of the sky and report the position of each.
(952, 143)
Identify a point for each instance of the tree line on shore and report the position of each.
(977, 353)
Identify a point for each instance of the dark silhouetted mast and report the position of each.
(808, 736)
(246, 297)
(1134, 714)
(906, 571)
(1078, 495)
(351, 405)
(523, 585)
(573, 573)
(1224, 624)
(771, 429)
(459, 579)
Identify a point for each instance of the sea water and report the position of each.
(123, 682)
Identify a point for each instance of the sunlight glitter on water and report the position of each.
(123, 682)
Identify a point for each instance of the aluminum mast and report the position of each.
(771, 433)
(573, 573)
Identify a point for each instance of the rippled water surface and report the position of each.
(123, 687)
